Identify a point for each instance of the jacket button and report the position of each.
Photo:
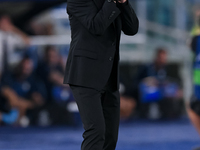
(113, 44)
(110, 58)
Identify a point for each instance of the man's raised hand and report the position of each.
(122, 1)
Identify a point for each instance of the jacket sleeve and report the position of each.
(87, 14)
(130, 22)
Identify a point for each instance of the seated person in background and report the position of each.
(155, 91)
(22, 89)
(60, 97)
(156, 69)
(51, 71)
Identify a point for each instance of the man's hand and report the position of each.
(122, 1)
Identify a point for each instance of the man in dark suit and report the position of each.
(92, 65)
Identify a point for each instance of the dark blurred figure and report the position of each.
(11, 38)
(194, 108)
(157, 95)
(23, 90)
(51, 71)
(156, 69)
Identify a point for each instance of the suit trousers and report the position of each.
(99, 111)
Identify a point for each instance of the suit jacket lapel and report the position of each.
(99, 3)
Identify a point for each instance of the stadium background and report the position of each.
(167, 24)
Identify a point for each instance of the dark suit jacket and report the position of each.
(95, 32)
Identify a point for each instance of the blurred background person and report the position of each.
(157, 95)
(11, 38)
(51, 71)
(194, 109)
(22, 89)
